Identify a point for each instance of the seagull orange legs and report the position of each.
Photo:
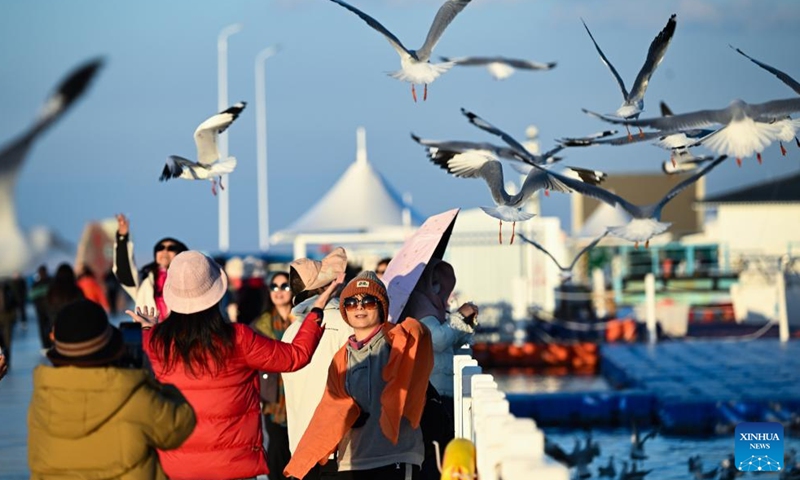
(758, 157)
(513, 232)
(500, 233)
(783, 149)
(213, 187)
(424, 93)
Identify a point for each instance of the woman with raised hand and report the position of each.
(215, 364)
(375, 393)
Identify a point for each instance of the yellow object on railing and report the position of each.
(459, 460)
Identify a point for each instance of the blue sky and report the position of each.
(160, 82)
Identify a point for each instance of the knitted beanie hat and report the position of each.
(366, 283)
(194, 283)
(83, 337)
(181, 247)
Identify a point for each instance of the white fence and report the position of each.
(508, 448)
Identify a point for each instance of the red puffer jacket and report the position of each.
(227, 441)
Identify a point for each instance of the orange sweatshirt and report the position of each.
(406, 375)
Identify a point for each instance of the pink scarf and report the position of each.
(158, 293)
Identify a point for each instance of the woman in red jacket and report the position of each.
(215, 365)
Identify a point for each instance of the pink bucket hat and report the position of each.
(194, 283)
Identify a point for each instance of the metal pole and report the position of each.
(222, 142)
(650, 307)
(261, 146)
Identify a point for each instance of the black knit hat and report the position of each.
(367, 283)
(84, 338)
(181, 246)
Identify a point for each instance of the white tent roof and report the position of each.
(364, 194)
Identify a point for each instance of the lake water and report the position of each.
(667, 456)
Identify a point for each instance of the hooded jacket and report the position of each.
(428, 302)
(102, 423)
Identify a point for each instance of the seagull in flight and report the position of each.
(633, 101)
(443, 150)
(677, 143)
(507, 207)
(208, 166)
(786, 122)
(415, 65)
(17, 250)
(566, 272)
(645, 220)
(747, 128)
(499, 67)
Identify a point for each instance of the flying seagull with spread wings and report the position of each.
(786, 122)
(646, 219)
(415, 65)
(633, 101)
(566, 272)
(15, 248)
(746, 128)
(208, 166)
(508, 208)
(500, 67)
(677, 143)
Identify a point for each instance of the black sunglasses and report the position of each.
(170, 248)
(368, 302)
(283, 286)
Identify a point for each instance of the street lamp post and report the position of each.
(261, 146)
(222, 141)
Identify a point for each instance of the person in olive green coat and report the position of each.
(91, 419)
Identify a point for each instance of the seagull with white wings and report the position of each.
(17, 250)
(415, 65)
(747, 128)
(208, 166)
(678, 143)
(508, 208)
(566, 272)
(443, 150)
(788, 125)
(646, 219)
(500, 67)
(633, 101)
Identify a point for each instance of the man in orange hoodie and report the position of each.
(375, 393)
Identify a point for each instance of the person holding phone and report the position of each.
(146, 287)
(215, 363)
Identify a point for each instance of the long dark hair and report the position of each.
(201, 341)
(63, 288)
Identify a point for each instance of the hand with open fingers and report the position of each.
(148, 316)
(123, 227)
(325, 297)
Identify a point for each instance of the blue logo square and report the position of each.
(759, 447)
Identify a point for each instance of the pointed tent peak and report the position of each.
(361, 145)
